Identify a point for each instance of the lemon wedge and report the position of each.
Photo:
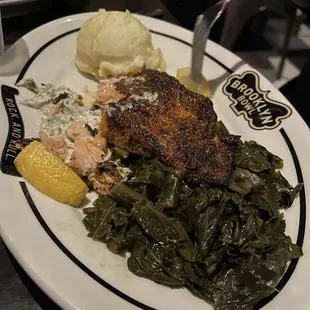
(184, 77)
(50, 175)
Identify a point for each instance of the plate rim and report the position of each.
(64, 19)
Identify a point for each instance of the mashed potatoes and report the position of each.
(116, 42)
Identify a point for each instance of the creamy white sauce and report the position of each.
(72, 110)
(133, 79)
(150, 97)
(46, 94)
(147, 98)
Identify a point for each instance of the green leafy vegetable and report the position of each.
(166, 231)
(227, 245)
(256, 158)
(243, 181)
(206, 227)
(153, 173)
(150, 258)
(169, 197)
(221, 129)
(124, 194)
(197, 202)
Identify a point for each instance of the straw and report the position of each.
(1, 37)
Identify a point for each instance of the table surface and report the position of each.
(17, 290)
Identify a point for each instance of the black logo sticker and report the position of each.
(253, 103)
(16, 130)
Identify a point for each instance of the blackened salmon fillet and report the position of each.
(156, 115)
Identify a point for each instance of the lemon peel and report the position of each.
(50, 175)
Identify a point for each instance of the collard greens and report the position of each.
(225, 244)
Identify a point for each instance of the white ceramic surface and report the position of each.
(49, 239)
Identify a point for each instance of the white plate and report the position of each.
(48, 238)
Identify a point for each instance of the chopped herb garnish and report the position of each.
(95, 107)
(93, 132)
(60, 97)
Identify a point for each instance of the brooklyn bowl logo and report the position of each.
(253, 103)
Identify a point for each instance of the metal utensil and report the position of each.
(203, 26)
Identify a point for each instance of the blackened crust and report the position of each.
(178, 127)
